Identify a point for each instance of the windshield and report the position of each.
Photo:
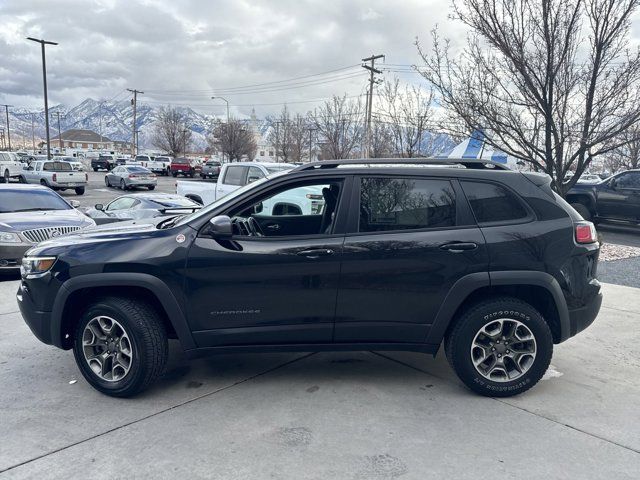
(279, 168)
(30, 200)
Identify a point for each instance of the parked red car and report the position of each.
(185, 166)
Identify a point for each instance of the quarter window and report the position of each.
(493, 203)
(235, 176)
(406, 204)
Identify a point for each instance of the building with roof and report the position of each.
(81, 140)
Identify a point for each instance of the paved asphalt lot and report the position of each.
(330, 415)
(318, 416)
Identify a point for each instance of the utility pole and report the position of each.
(33, 133)
(59, 133)
(6, 108)
(311, 130)
(137, 140)
(2, 145)
(134, 102)
(372, 71)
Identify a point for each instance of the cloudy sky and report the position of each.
(184, 51)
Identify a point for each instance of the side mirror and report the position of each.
(98, 206)
(74, 203)
(258, 207)
(221, 227)
(613, 183)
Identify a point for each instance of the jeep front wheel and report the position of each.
(120, 346)
(500, 347)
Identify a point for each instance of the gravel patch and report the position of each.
(609, 252)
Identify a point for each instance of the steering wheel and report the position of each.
(255, 227)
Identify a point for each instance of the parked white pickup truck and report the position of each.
(10, 166)
(55, 174)
(232, 176)
(299, 201)
(159, 165)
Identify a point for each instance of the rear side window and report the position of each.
(493, 203)
(406, 204)
(235, 176)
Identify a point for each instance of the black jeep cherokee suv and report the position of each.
(334, 255)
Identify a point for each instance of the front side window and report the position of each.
(629, 180)
(121, 203)
(300, 209)
(493, 203)
(235, 176)
(406, 204)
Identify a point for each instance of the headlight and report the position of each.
(6, 237)
(36, 265)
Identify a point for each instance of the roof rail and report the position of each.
(470, 163)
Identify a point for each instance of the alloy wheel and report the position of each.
(107, 348)
(503, 350)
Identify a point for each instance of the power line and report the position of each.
(258, 84)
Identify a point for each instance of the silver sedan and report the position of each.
(130, 176)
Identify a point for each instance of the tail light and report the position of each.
(131, 175)
(54, 177)
(585, 232)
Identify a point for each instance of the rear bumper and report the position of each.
(581, 318)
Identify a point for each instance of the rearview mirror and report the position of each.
(74, 203)
(221, 227)
(98, 206)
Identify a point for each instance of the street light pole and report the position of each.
(44, 81)
(227, 102)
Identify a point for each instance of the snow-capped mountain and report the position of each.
(111, 119)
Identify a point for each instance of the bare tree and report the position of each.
(382, 140)
(627, 155)
(552, 82)
(339, 123)
(408, 110)
(299, 138)
(171, 132)
(280, 134)
(234, 139)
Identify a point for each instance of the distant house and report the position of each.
(83, 139)
(87, 140)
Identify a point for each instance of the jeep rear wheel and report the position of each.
(120, 346)
(500, 347)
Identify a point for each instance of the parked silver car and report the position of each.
(30, 214)
(130, 176)
(140, 206)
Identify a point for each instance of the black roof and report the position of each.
(382, 162)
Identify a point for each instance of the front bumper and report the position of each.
(11, 255)
(38, 321)
(581, 318)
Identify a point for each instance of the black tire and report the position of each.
(151, 187)
(95, 169)
(107, 182)
(192, 173)
(203, 176)
(123, 185)
(21, 179)
(79, 190)
(583, 210)
(460, 338)
(43, 182)
(149, 344)
(6, 176)
(174, 175)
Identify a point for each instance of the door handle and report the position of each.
(458, 247)
(273, 227)
(316, 252)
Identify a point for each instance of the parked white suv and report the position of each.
(10, 166)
